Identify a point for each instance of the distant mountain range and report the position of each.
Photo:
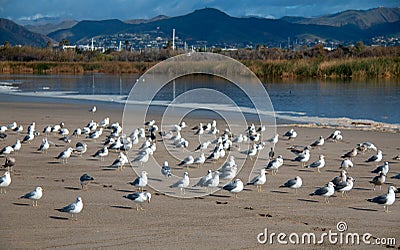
(216, 27)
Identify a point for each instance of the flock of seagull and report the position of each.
(224, 142)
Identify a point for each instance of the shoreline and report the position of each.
(283, 118)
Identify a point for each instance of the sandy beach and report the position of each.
(218, 221)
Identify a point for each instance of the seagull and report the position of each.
(291, 134)
(397, 176)
(295, 183)
(317, 164)
(143, 158)
(35, 195)
(64, 155)
(187, 161)
(5, 181)
(341, 178)
(47, 130)
(251, 152)
(93, 110)
(298, 150)
(319, 142)
(335, 136)
(120, 161)
(10, 162)
(44, 146)
(204, 179)
(3, 136)
(203, 146)
(351, 154)
(304, 157)
(141, 181)
(375, 158)
(166, 170)
(200, 160)
(150, 123)
(274, 140)
(345, 186)
(235, 187)
(6, 150)
(182, 183)
(105, 122)
(274, 165)
(3, 129)
(213, 182)
(73, 208)
(17, 146)
(228, 174)
(326, 191)
(80, 148)
(103, 152)
(138, 198)
(384, 169)
(386, 200)
(346, 163)
(271, 153)
(379, 180)
(367, 145)
(259, 180)
(85, 179)
(12, 126)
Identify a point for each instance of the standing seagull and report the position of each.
(384, 169)
(204, 179)
(351, 154)
(274, 165)
(319, 142)
(85, 180)
(303, 157)
(346, 163)
(259, 180)
(103, 152)
(10, 162)
(335, 136)
(375, 158)
(182, 183)
(44, 146)
(141, 181)
(93, 110)
(386, 200)
(73, 208)
(187, 161)
(166, 170)
(64, 155)
(35, 195)
(6, 150)
(345, 186)
(379, 180)
(295, 183)
(17, 146)
(317, 164)
(138, 198)
(5, 181)
(235, 187)
(326, 191)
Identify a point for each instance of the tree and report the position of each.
(63, 42)
(48, 44)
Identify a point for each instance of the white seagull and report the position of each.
(345, 186)
(376, 158)
(182, 183)
(138, 198)
(304, 157)
(34, 195)
(5, 181)
(44, 146)
(386, 200)
(346, 163)
(73, 208)
(141, 181)
(64, 155)
(103, 152)
(326, 191)
(166, 170)
(384, 168)
(6, 150)
(317, 164)
(204, 179)
(274, 165)
(258, 180)
(291, 134)
(295, 183)
(187, 161)
(235, 187)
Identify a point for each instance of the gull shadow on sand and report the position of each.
(279, 192)
(307, 200)
(58, 217)
(54, 162)
(124, 190)
(21, 204)
(72, 188)
(220, 196)
(108, 169)
(332, 171)
(305, 170)
(121, 207)
(155, 179)
(361, 188)
(364, 209)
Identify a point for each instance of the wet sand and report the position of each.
(214, 222)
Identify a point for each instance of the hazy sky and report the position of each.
(18, 10)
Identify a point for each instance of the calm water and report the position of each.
(377, 100)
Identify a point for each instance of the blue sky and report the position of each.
(19, 10)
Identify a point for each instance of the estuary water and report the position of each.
(375, 100)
